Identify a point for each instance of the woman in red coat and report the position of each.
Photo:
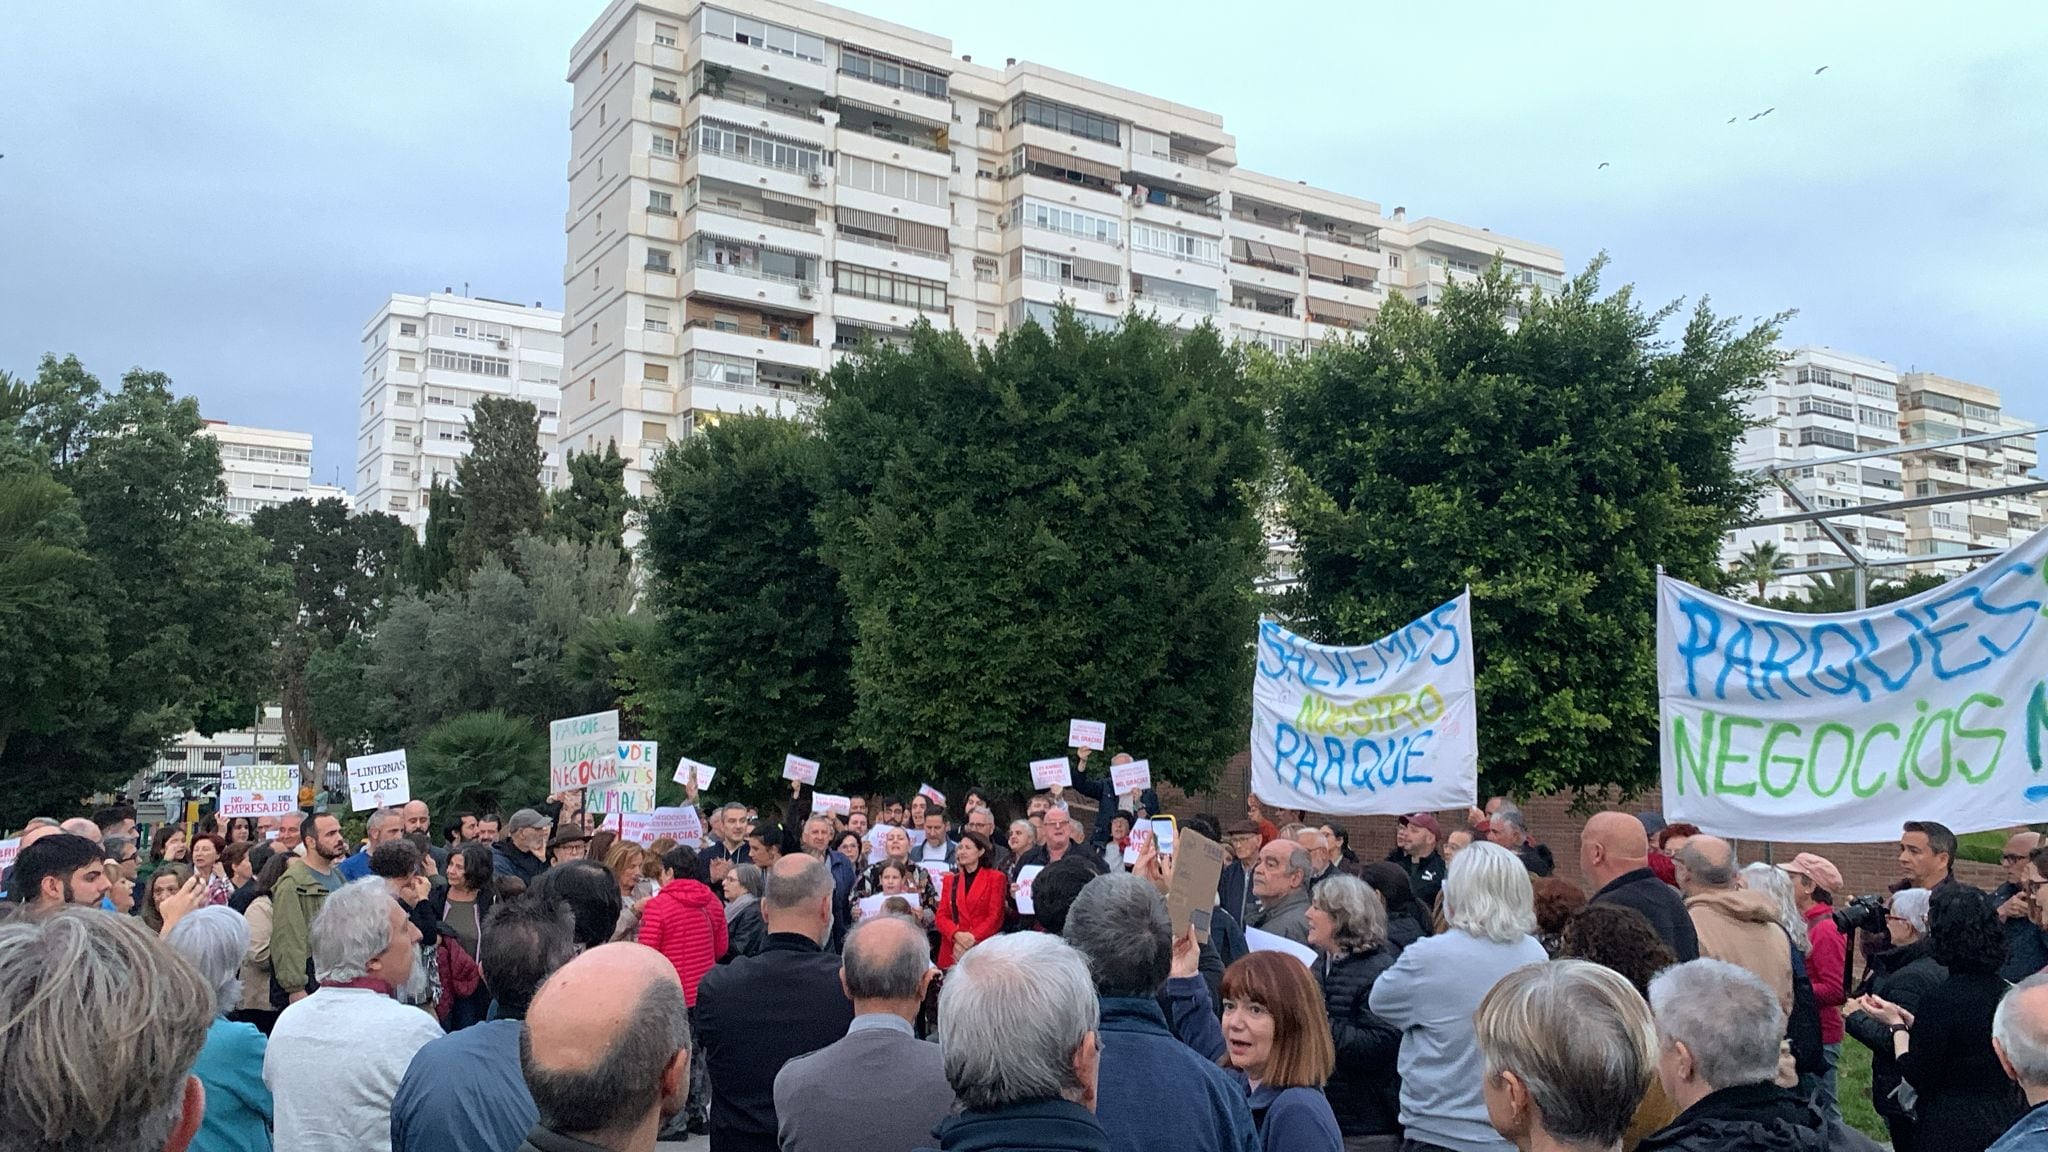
(972, 904)
(684, 921)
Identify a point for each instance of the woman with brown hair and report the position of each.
(1276, 1035)
(165, 882)
(1622, 939)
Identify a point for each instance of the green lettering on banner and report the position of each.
(1848, 753)
(2037, 724)
(1855, 767)
(1684, 751)
(1764, 760)
(1987, 700)
(1913, 740)
(1723, 758)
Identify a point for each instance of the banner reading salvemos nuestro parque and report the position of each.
(1839, 728)
(1383, 728)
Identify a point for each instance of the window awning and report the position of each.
(1071, 163)
(1337, 312)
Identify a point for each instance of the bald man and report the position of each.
(1734, 924)
(1614, 855)
(588, 1033)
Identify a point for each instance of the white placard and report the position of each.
(1089, 734)
(1135, 776)
(704, 773)
(635, 826)
(872, 905)
(1057, 771)
(633, 789)
(939, 870)
(932, 794)
(1135, 843)
(259, 778)
(378, 781)
(682, 825)
(825, 802)
(1021, 891)
(1259, 940)
(795, 767)
(9, 849)
(876, 853)
(1383, 728)
(582, 751)
(249, 802)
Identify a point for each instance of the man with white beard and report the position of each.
(336, 1058)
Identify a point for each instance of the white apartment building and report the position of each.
(427, 360)
(756, 186)
(1933, 409)
(263, 467)
(1824, 403)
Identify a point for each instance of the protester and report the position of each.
(1280, 881)
(590, 894)
(461, 906)
(1154, 1090)
(239, 863)
(1546, 1091)
(848, 843)
(1455, 841)
(972, 901)
(606, 1052)
(102, 1029)
(2026, 949)
(759, 1012)
(1718, 1036)
(1407, 921)
(1057, 887)
(1234, 886)
(1943, 1047)
(1277, 1041)
(257, 1006)
(983, 820)
(1322, 855)
(384, 826)
(1056, 839)
(1347, 926)
(569, 844)
(1903, 976)
(487, 829)
(1416, 837)
(744, 930)
(464, 1092)
(1507, 827)
(172, 881)
(214, 941)
(520, 852)
(296, 900)
(1432, 990)
(1735, 925)
(1620, 938)
(337, 1056)
(59, 870)
(1614, 856)
(896, 850)
(1927, 854)
(1023, 838)
(886, 973)
(2019, 1034)
(1556, 899)
(817, 843)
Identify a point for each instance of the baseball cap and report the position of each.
(1423, 820)
(525, 818)
(1815, 868)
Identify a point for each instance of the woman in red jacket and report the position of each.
(684, 921)
(971, 907)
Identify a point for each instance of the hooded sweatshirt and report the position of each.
(685, 923)
(1741, 927)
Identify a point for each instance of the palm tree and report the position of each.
(1760, 564)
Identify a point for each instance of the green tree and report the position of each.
(430, 565)
(499, 481)
(480, 762)
(1760, 564)
(750, 649)
(50, 623)
(1063, 524)
(1549, 452)
(592, 509)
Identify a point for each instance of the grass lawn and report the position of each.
(1852, 1087)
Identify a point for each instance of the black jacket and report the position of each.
(1234, 891)
(1403, 930)
(753, 1016)
(1039, 1126)
(1966, 1101)
(2026, 951)
(1425, 877)
(1661, 904)
(509, 861)
(1365, 1088)
(1903, 976)
(1537, 859)
(1755, 1118)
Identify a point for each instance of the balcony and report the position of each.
(1161, 198)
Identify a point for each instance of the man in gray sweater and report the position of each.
(880, 1072)
(1280, 881)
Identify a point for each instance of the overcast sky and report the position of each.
(227, 192)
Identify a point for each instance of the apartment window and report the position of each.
(604, 60)
(400, 503)
(985, 319)
(907, 235)
(654, 373)
(408, 364)
(1065, 118)
(1393, 259)
(763, 148)
(708, 251)
(889, 287)
(1784, 407)
(985, 269)
(712, 368)
(1094, 275)
(653, 432)
(658, 260)
(889, 180)
(1177, 244)
(408, 328)
(402, 431)
(654, 318)
(600, 115)
(1175, 294)
(469, 362)
(664, 90)
(593, 381)
(663, 144)
(986, 118)
(404, 397)
(661, 203)
(1066, 221)
(759, 34)
(891, 72)
(665, 35)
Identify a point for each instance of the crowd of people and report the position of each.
(895, 978)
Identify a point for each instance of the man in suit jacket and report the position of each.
(880, 1073)
(759, 1012)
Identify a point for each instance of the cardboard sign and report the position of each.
(682, 825)
(378, 781)
(1133, 777)
(1261, 941)
(1021, 890)
(872, 905)
(633, 789)
(1047, 773)
(932, 794)
(1191, 895)
(795, 767)
(249, 802)
(582, 751)
(704, 773)
(1086, 734)
(825, 802)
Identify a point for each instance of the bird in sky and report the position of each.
(1821, 69)
(1603, 164)
(1733, 119)
(1765, 112)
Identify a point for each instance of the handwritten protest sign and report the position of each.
(795, 767)
(1086, 734)
(1383, 728)
(9, 849)
(932, 794)
(378, 781)
(937, 868)
(1021, 891)
(635, 826)
(633, 790)
(583, 750)
(704, 773)
(825, 802)
(1839, 728)
(1135, 776)
(1057, 771)
(683, 825)
(258, 790)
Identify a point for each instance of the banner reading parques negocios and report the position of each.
(1839, 728)
(1384, 728)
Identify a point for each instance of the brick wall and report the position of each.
(1865, 867)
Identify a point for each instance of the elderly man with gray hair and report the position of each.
(2019, 1034)
(1733, 923)
(1717, 1056)
(103, 1027)
(886, 971)
(1017, 1032)
(1569, 1050)
(336, 1058)
(1508, 828)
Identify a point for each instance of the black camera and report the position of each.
(1864, 912)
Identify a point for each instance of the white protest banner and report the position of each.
(825, 802)
(250, 789)
(1136, 776)
(1259, 940)
(872, 905)
(378, 781)
(1385, 728)
(1839, 728)
(795, 767)
(1057, 771)
(704, 773)
(9, 849)
(682, 825)
(583, 750)
(932, 794)
(633, 790)
(1086, 734)
(1021, 891)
